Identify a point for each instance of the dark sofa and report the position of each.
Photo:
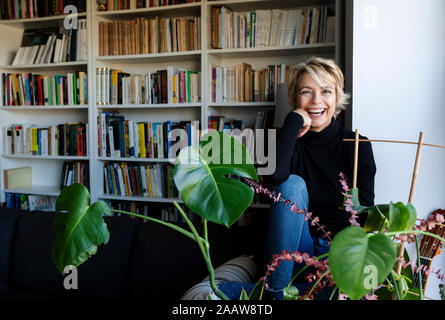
(141, 260)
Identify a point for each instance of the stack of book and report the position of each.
(268, 28)
(148, 36)
(119, 138)
(53, 45)
(24, 9)
(137, 4)
(241, 83)
(29, 89)
(75, 172)
(30, 202)
(137, 180)
(68, 139)
(171, 85)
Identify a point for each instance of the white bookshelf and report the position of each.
(45, 168)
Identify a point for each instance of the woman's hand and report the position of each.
(307, 122)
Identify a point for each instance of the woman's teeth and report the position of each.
(316, 112)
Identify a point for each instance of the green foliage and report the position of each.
(354, 255)
(80, 229)
(204, 183)
(291, 293)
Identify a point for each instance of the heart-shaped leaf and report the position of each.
(377, 217)
(203, 178)
(402, 218)
(359, 261)
(78, 227)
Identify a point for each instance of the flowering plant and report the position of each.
(360, 260)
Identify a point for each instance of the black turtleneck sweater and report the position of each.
(319, 157)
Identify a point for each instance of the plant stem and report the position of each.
(204, 252)
(390, 234)
(170, 225)
(419, 269)
(316, 283)
(333, 293)
(305, 267)
(396, 284)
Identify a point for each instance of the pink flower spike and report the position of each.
(371, 296)
(343, 296)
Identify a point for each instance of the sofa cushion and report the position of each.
(16, 295)
(164, 263)
(7, 223)
(102, 276)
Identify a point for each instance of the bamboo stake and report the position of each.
(395, 141)
(411, 195)
(354, 181)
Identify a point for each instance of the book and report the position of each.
(41, 203)
(17, 178)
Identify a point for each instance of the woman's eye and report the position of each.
(327, 92)
(305, 92)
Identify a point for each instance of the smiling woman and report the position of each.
(310, 155)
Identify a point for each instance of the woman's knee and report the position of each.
(294, 182)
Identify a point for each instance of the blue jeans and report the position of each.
(286, 231)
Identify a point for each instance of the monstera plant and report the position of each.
(208, 180)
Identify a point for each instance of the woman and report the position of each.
(310, 155)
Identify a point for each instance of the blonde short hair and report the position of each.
(323, 71)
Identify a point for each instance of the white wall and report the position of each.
(399, 90)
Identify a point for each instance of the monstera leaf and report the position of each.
(203, 178)
(378, 216)
(402, 218)
(359, 261)
(78, 227)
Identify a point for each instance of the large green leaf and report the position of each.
(78, 227)
(202, 178)
(377, 217)
(359, 261)
(402, 218)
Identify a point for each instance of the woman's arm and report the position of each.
(285, 146)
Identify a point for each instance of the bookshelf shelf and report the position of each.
(109, 159)
(154, 57)
(31, 157)
(140, 199)
(37, 190)
(242, 104)
(182, 9)
(38, 108)
(245, 5)
(64, 65)
(149, 106)
(274, 51)
(39, 21)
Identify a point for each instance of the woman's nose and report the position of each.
(316, 97)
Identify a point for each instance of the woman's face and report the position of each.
(318, 101)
